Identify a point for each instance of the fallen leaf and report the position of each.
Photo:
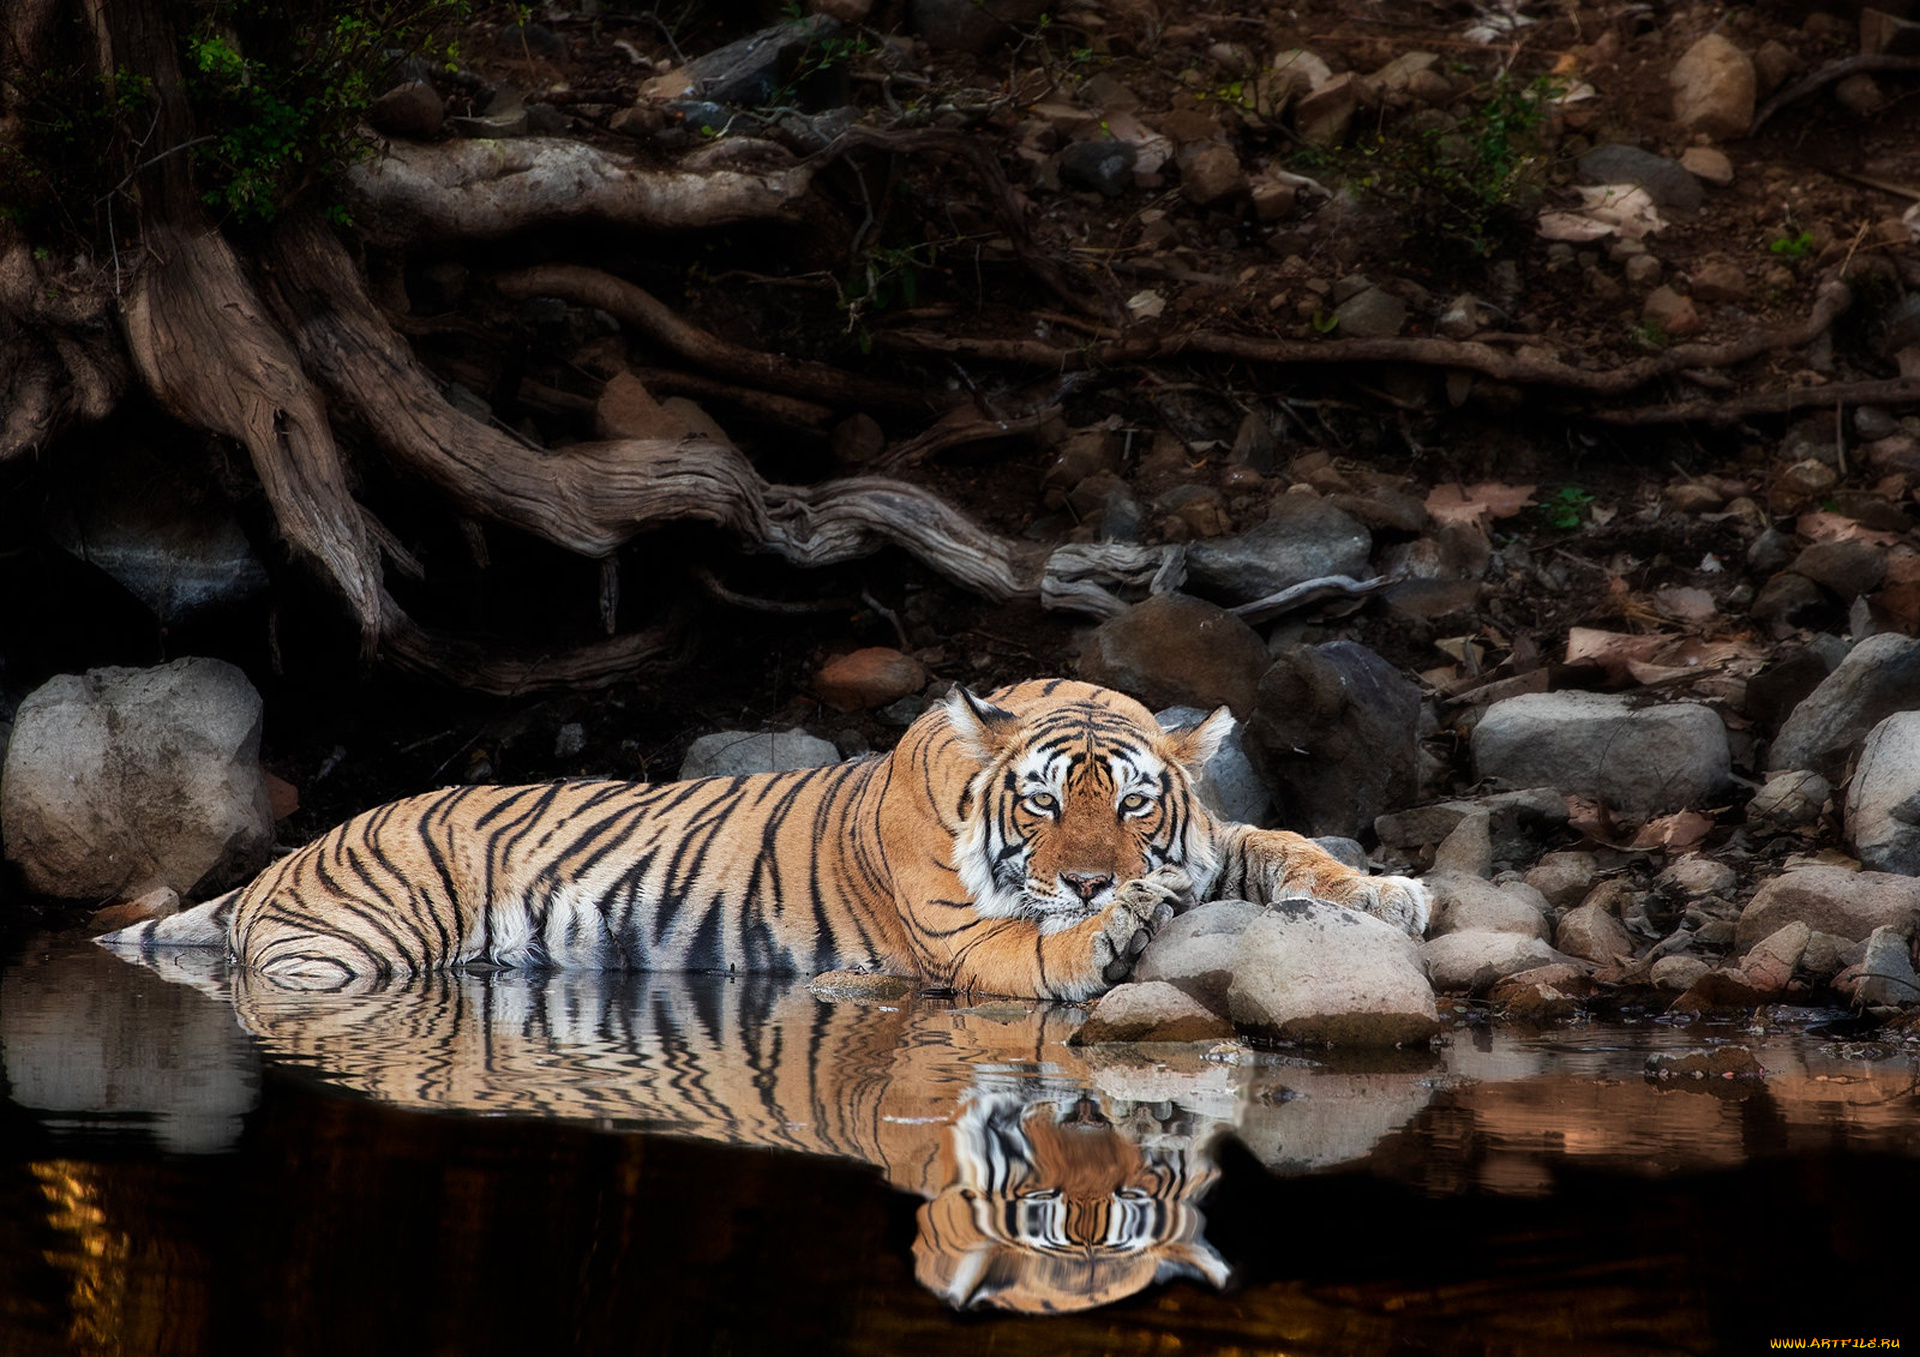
(1478, 504)
(1625, 210)
(1146, 305)
(1686, 604)
(1821, 525)
(1680, 830)
(1612, 651)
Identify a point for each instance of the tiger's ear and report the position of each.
(1194, 745)
(984, 730)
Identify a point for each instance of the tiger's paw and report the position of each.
(1140, 909)
(1399, 900)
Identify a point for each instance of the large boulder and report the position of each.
(1878, 677)
(1635, 759)
(1198, 950)
(1883, 804)
(1312, 971)
(120, 780)
(1336, 727)
(1832, 900)
(1228, 786)
(1304, 538)
(1173, 650)
(739, 753)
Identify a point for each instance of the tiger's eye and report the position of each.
(1041, 801)
(1133, 801)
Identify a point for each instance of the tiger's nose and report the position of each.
(1087, 884)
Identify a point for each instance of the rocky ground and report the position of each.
(1515, 397)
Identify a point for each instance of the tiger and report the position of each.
(1029, 842)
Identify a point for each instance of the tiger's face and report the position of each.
(1073, 802)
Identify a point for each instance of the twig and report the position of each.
(1891, 391)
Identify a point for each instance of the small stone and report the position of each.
(1468, 904)
(1643, 270)
(1371, 314)
(1471, 961)
(413, 111)
(1149, 1011)
(1468, 849)
(857, 439)
(1719, 280)
(1774, 63)
(1697, 876)
(1713, 84)
(1106, 167)
(1591, 933)
(1789, 601)
(1672, 313)
(1846, 568)
(1708, 164)
(1173, 650)
(1677, 974)
(1887, 969)
(1563, 879)
(1210, 174)
(1311, 971)
(569, 740)
(1668, 184)
(1860, 94)
(1769, 963)
(1691, 497)
(1304, 537)
(1321, 118)
(868, 678)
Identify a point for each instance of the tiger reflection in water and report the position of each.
(1041, 1195)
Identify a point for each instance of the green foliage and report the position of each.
(281, 89)
(1796, 246)
(1463, 194)
(58, 175)
(1566, 508)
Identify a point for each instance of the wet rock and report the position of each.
(1829, 900)
(1471, 961)
(740, 753)
(1677, 974)
(868, 678)
(1518, 824)
(1723, 1062)
(1337, 730)
(1673, 313)
(1563, 879)
(121, 780)
(1879, 677)
(1463, 904)
(1311, 971)
(1644, 760)
(860, 986)
(1713, 85)
(1150, 1010)
(1106, 167)
(1173, 650)
(1542, 992)
(1666, 182)
(1196, 950)
(1887, 974)
(1883, 802)
(1210, 174)
(1592, 934)
(413, 111)
(1769, 964)
(1229, 786)
(1303, 538)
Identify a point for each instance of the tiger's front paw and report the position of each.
(1141, 908)
(1401, 901)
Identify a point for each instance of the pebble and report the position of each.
(1708, 164)
(1210, 174)
(1106, 167)
(1672, 313)
(1372, 314)
(1564, 878)
(1471, 961)
(1592, 934)
(1666, 182)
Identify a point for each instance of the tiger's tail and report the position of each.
(205, 925)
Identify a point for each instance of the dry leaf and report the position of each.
(1687, 605)
(1477, 504)
(1625, 210)
(1681, 830)
(1821, 525)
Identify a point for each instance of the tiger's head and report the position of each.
(1077, 794)
(1047, 1207)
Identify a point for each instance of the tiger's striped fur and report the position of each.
(1028, 844)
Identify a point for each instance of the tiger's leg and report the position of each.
(1267, 865)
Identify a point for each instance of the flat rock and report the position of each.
(1196, 950)
(1637, 760)
(1174, 650)
(1149, 1010)
(1883, 802)
(1311, 971)
(122, 780)
(1878, 677)
(1304, 537)
(1829, 900)
(740, 753)
(1471, 961)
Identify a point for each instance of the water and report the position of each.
(627, 1164)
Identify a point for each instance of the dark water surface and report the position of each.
(623, 1164)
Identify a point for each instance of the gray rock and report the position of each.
(1883, 803)
(1464, 904)
(1372, 314)
(1829, 900)
(121, 780)
(1229, 786)
(1847, 569)
(1879, 677)
(1793, 797)
(1349, 851)
(1311, 971)
(1676, 974)
(1788, 601)
(1888, 976)
(741, 753)
(1473, 960)
(1592, 934)
(1303, 538)
(753, 70)
(1825, 955)
(1150, 1010)
(1173, 650)
(1336, 729)
(1639, 760)
(1196, 950)
(1518, 824)
(1468, 848)
(1667, 182)
(1564, 878)
(1106, 167)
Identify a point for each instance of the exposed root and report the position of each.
(1829, 74)
(1894, 391)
